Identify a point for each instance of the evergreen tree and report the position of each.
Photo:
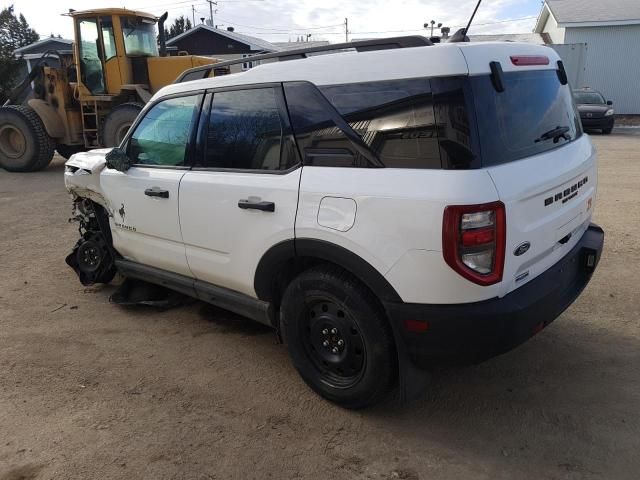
(14, 33)
(180, 25)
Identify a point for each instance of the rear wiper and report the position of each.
(556, 134)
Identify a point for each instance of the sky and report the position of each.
(286, 20)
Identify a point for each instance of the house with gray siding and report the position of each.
(610, 33)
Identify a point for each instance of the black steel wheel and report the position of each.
(333, 342)
(338, 337)
(90, 255)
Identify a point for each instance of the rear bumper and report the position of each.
(473, 332)
(604, 122)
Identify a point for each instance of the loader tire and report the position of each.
(25, 145)
(117, 123)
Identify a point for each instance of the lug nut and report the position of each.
(325, 332)
(340, 343)
(334, 349)
(325, 343)
(334, 331)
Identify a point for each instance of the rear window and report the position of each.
(535, 113)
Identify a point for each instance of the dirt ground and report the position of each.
(93, 390)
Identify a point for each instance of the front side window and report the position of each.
(162, 136)
(244, 131)
(139, 37)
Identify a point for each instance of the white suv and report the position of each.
(381, 208)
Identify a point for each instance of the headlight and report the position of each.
(609, 112)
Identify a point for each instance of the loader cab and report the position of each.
(112, 47)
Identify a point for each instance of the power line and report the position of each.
(281, 29)
(257, 30)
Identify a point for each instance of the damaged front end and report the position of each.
(93, 257)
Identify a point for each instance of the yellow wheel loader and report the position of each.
(92, 99)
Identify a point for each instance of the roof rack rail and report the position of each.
(198, 73)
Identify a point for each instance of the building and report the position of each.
(222, 44)
(32, 53)
(610, 34)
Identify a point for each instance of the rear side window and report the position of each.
(323, 136)
(162, 136)
(395, 119)
(245, 131)
(394, 124)
(534, 114)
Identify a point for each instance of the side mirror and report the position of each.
(609, 102)
(118, 160)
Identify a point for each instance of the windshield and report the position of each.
(591, 98)
(535, 113)
(139, 37)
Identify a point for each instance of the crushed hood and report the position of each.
(82, 175)
(92, 161)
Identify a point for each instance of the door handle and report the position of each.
(156, 192)
(257, 205)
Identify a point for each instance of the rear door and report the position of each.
(145, 224)
(241, 196)
(543, 166)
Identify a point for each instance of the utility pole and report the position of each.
(193, 15)
(211, 4)
(346, 29)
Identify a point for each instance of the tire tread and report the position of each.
(45, 144)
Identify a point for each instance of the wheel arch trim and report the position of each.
(326, 251)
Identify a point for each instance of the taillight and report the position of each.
(473, 241)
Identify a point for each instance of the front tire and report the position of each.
(338, 337)
(25, 145)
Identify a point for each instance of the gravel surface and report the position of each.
(93, 390)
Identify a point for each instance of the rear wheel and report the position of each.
(338, 338)
(25, 145)
(117, 123)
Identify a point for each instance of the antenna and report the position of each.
(466, 30)
(461, 35)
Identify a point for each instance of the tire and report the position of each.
(117, 123)
(66, 151)
(354, 365)
(607, 131)
(25, 145)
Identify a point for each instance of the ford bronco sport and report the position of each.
(381, 208)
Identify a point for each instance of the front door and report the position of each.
(241, 197)
(144, 200)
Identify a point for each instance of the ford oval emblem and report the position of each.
(522, 249)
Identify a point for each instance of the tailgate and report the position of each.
(549, 199)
